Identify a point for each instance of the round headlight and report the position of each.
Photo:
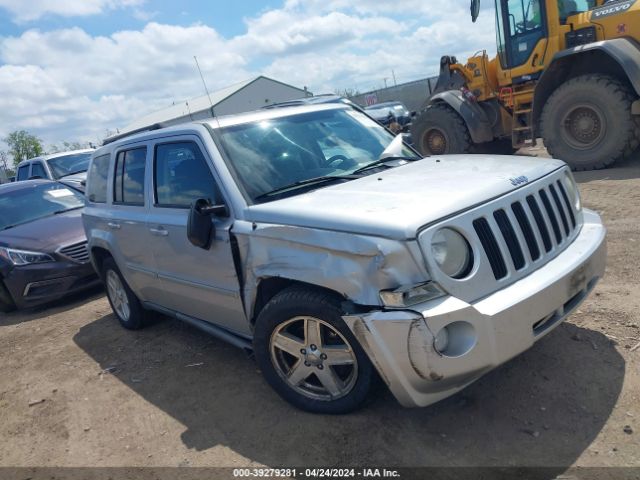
(451, 252)
(572, 191)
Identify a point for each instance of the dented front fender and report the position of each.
(355, 266)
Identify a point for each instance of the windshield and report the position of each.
(69, 164)
(275, 153)
(36, 201)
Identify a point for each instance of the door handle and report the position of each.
(160, 231)
(113, 226)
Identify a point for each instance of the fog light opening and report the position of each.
(456, 339)
(441, 342)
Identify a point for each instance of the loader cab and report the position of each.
(522, 24)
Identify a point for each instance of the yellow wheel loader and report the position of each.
(567, 71)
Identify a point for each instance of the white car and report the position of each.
(55, 166)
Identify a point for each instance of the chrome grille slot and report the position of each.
(552, 216)
(572, 216)
(488, 241)
(542, 226)
(527, 230)
(510, 238)
(563, 216)
(77, 252)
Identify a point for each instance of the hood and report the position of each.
(398, 202)
(46, 234)
(76, 181)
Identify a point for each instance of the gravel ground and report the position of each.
(78, 390)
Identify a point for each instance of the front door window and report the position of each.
(524, 29)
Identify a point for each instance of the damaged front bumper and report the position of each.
(483, 334)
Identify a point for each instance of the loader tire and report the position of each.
(439, 130)
(634, 146)
(500, 146)
(587, 122)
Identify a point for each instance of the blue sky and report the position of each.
(226, 17)
(72, 69)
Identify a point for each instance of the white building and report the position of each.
(241, 97)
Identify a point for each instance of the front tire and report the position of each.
(308, 355)
(439, 130)
(587, 122)
(6, 302)
(123, 301)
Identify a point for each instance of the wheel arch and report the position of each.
(617, 57)
(269, 287)
(471, 113)
(98, 256)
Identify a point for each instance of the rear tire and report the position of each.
(123, 301)
(587, 122)
(308, 354)
(439, 130)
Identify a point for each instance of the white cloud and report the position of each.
(71, 85)
(34, 9)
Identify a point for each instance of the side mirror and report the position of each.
(475, 10)
(413, 114)
(200, 229)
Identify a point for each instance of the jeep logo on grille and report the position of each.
(518, 180)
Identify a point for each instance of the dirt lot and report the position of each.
(171, 396)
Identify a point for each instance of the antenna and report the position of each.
(205, 85)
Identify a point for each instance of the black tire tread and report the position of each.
(442, 114)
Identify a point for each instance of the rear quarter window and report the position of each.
(97, 179)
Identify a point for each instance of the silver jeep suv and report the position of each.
(311, 236)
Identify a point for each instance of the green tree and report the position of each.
(23, 145)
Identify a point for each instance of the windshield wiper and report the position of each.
(382, 161)
(71, 173)
(58, 212)
(307, 182)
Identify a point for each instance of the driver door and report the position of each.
(199, 283)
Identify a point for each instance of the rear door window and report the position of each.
(129, 176)
(97, 179)
(23, 172)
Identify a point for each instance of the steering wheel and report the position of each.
(338, 161)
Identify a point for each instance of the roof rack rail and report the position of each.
(119, 136)
(315, 100)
